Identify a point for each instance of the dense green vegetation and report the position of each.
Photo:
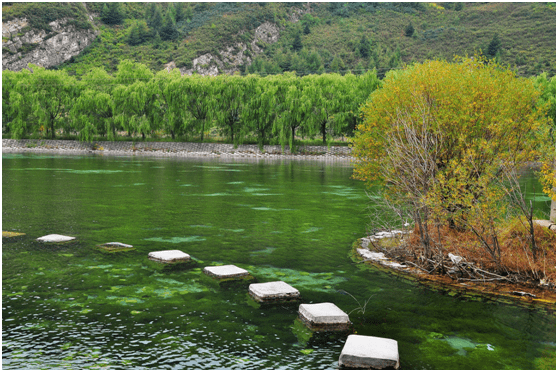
(135, 101)
(39, 15)
(314, 37)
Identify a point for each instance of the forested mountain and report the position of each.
(271, 38)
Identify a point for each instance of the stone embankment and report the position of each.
(175, 149)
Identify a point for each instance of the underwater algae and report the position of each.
(75, 307)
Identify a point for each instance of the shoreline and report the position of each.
(175, 150)
(518, 293)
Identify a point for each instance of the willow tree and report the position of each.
(260, 111)
(93, 110)
(11, 100)
(50, 95)
(437, 135)
(227, 109)
(193, 94)
(134, 97)
(327, 93)
(358, 89)
(18, 117)
(295, 109)
(170, 121)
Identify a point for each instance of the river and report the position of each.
(74, 306)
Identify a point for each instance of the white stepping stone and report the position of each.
(324, 317)
(225, 271)
(367, 352)
(55, 238)
(171, 256)
(273, 292)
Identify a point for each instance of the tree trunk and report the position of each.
(52, 134)
(172, 134)
(324, 132)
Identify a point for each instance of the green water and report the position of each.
(74, 306)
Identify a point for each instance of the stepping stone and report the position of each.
(367, 352)
(324, 317)
(171, 256)
(55, 238)
(225, 272)
(273, 292)
(116, 247)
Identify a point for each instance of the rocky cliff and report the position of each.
(229, 60)
(22, 45)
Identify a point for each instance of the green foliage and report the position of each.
(50, 93)
(227, 109)
(155, 17)
(364, 47)
(180, 14)
(547, 134)
(139, 33)
(493, 46)
(112, 14)
(169, 30)
(336, 31)
(93, 110)
(194, 96)
(297, 42)
(409, 30)
(39, 15)
(437, 135)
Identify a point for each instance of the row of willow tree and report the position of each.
(135, 101)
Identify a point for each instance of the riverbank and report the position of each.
(175, 149)
(523, 293)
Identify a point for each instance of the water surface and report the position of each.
(73, 306)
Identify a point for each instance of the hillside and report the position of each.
(212, 38)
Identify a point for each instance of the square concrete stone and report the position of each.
(225, 272)
(273, 292)
(171, 256)
(324, 317)
(368, 352)
(55, 238)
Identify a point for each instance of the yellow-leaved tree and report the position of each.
(439, 135)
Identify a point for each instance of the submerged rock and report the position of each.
(116, 247)
(11, 234)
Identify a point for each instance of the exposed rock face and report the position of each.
(47, 50)
(231, 59)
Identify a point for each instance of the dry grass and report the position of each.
(516, 257)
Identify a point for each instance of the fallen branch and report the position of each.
(418, 267)
(484, 280)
